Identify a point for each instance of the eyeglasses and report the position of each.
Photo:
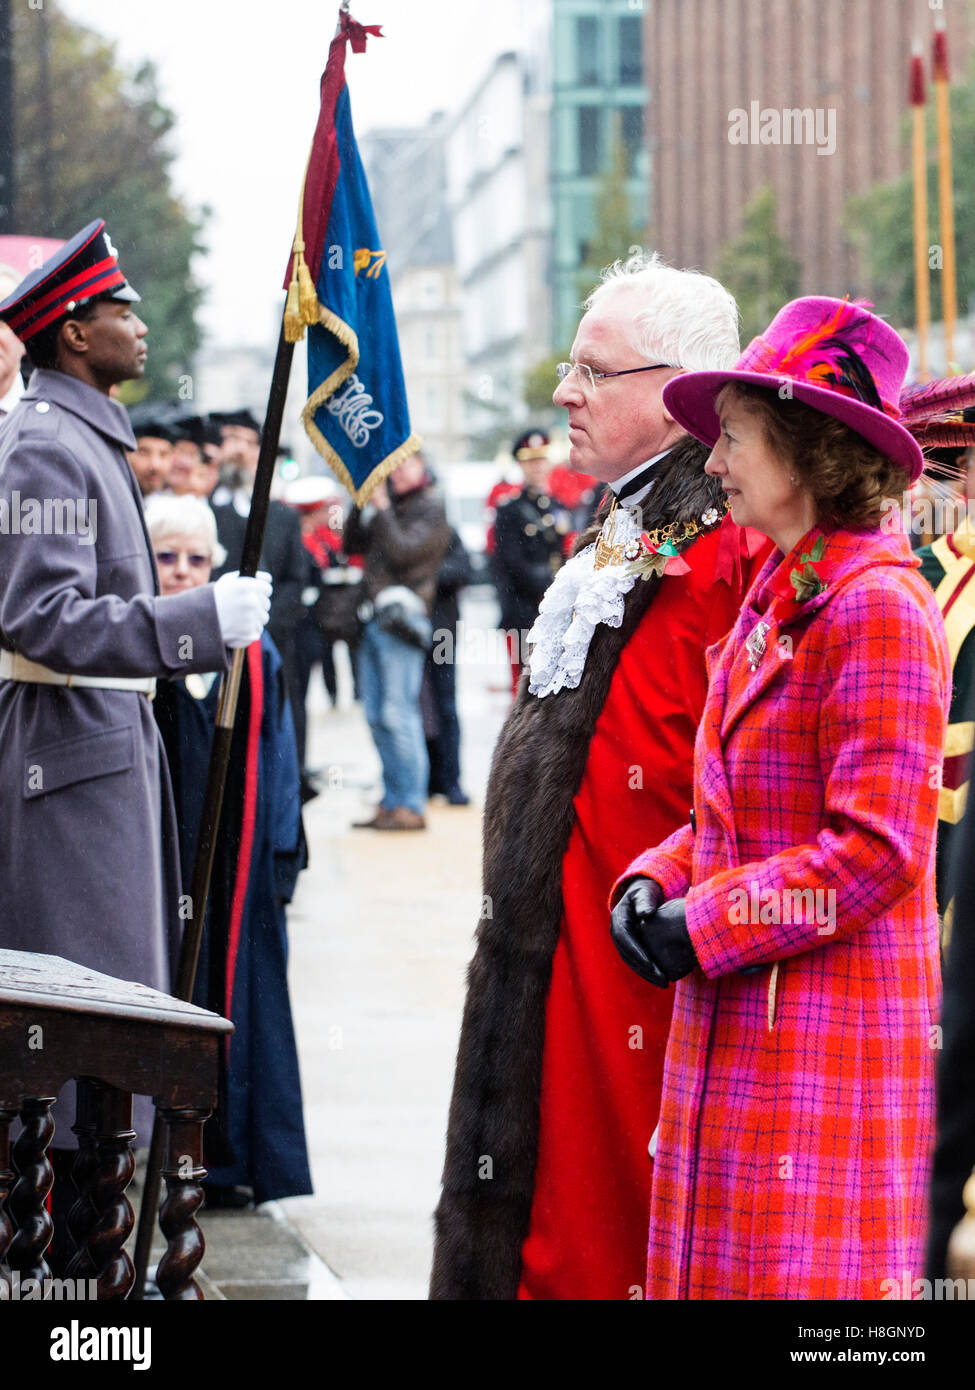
(171, 557)
(589, 378)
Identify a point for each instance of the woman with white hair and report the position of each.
(255, 1142)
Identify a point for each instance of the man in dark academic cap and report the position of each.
(152, 456)
(196, 454)
(88, 862)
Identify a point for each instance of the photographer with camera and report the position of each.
(402, 537)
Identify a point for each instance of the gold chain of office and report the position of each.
(676, 531)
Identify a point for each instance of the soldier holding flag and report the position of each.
(88, 862)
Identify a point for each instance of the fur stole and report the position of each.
(538, 765)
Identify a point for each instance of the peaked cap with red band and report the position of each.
(84, 268)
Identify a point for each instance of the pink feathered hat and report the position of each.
(833, 355)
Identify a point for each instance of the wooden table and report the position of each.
(59, 1021)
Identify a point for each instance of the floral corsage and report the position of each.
(806, 578)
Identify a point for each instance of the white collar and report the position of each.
(579, 598)
(619, 483)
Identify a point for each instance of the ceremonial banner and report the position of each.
(338, 287)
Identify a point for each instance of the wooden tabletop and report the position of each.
(50, 982)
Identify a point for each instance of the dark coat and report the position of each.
(88, 861)
(403, 544)
(539, 763)
(530, 531)
(256, 1138)
(455, 573)
(954, 1156)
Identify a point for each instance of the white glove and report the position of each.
(243, 606)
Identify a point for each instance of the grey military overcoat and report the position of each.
(88, 858)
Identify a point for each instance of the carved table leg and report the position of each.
(26, 1202)
(112, 1172)
(184, 1173)
(7, 1180)
(81, 1217)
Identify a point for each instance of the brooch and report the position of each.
(755, 644)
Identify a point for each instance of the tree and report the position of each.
(616, 232)
(91, 140)
(757, 267)
(540, 382)
(882, 221)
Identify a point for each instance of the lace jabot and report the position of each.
(579, 597)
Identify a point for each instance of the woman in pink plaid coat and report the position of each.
(796, 912)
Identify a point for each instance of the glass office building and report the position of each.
(598, 99)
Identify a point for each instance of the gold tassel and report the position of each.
(294, 324)
(307, 295)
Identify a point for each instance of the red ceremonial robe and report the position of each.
(606, 1029)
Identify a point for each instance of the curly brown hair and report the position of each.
(848, 478)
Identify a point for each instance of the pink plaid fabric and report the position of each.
(797, 1114)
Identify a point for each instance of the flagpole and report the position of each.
(215, 783)
(949, 296)
(922, 292)
(301, 309)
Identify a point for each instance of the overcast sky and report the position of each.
(242, 77)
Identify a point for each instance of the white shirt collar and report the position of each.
(618, 483)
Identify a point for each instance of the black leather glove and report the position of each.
(652, 939)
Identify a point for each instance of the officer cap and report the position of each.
(532, 444)
(83, 269)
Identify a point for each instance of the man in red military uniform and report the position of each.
(556, 1096)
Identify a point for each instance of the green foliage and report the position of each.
(757, 267)
(616, 232)
(92, 141)
(881, 222)
(540, 382)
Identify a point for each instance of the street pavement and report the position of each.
(381, 932)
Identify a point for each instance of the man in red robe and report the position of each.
(547, 1178)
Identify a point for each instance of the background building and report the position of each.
(598, 99)
(407, 178)
(497, 188)
(707, 58)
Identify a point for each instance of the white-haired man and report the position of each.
(547, 1180)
